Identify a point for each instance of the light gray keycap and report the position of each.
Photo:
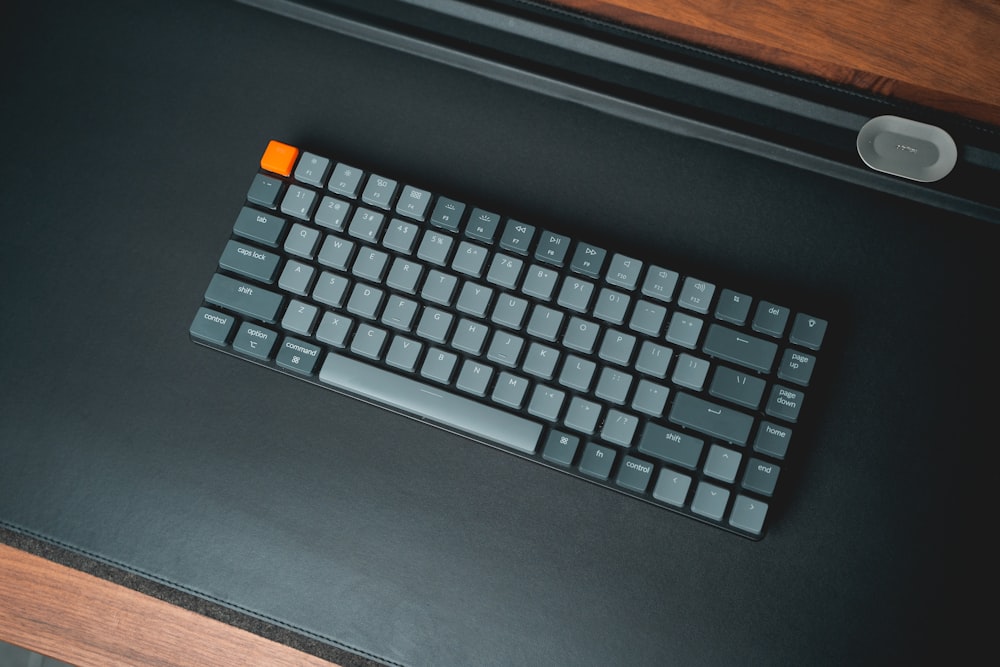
(505, 271)
(312, 169)
(722, 463)
(370, 264)
(298, 202)
(653, 359)
(582, 415)
(474, 299)
(474, 378)
(619, 427)
(439, 287)
(581, 335)
(469, 336)
(660, 283)
(439, 365)
(696, 295)
(296, 277)
(505, 348)
(541, 360)
(690, 372)
(684, 330)
(366, 225)
(624, 271)
(378, 191)
(576, 294)
(710, 501)
(510, 390)
(413, 202)
(434, 325)
(333, 329)
(469, 259)
(249, 261)
(647, 317)
(299, 317)
(365, 301)
(400, 236)
(403, 353)
(748, 514)
(650, 398)
(332, 213)
(546, 402)
(613, 385)
(510, 311)
(430, 403)
(368, 341)
(212, 326)
(330, 289)
(611, 306)
(345, 180)
(617, 347)
(434, 248)
(545, 323)
(672, 487)
(336, 252)
(301, 241)
(399, 313)
(404, 275)
(577, 373)
(540, 282)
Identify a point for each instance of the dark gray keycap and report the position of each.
(733, 307)
(439, 365)
(517, 237)
(400, 236)
(246, 260)
(619, 427)
(770, 319)
(403, 353)
(330, 289)
(368, 341)
(660, 283)
(772, 439)
(430, 403)
(482, 225)
(298, 202)
(650, 398)
(447, 213)
(672, 488)
(711, 418)
(671, 446)
(710, 501)
(413, 203)
(336, 252)
(748, 514)
(588, 260)
(737, 386)
(808, 331)
(296, 277)
(722, 463)
(470, 336)
(624, 271)
(312, 169)
(560, 447)
(597, 461)
(334, 329)
(474, 377)
(264, 191)
(690, 372)
(552, 248)
(379, 191)
(611, 306)
(796, 367)
(540, 282)
(546, 402)
(301, 241)
(582, 415)
(740, 348)
(245, 298)
(212, 326)
(255, 341)
(761, 476)
(298, 355)
(345, 180)
(696, 295)
(684, 330)
(784, 403)
(510, 390)
(258, 226)
(332, 213)
(299, 317)
(510, 311)
(634, 474)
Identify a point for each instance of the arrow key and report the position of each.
(710, 501)
(672, 487)
(722, 463)
(748, 514)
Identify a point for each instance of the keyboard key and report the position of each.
(784, 403)
(738, 387)
(482, 225)
(312, 169)
(796, 367)
(808, 331)
(298, 356)
(258, 226)
(672, 487)
(517, 237)
(560, 447)
(740, 348)
(345, 180)
(597, 461)
(244, 298)
(447, 213)
(770, 319)
(433, 404)
(748, 514)
(660, 283)
(212, 326)
(761, 477)
(634, 474)
(772, 439)
(710, 501)
(552, 248)
(255, 341)
(624, 271)
(733, 307)
(264, 191)
(671, 446)
(588, 260)
(696, 295)
(279, 158)
(248, 261)
(379, 191)
(413, 203)
(711, 418)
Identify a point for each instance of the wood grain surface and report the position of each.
(82, 620)
(944, 54)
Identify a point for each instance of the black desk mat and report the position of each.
(132, 131)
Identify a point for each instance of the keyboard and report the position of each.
(673, 389)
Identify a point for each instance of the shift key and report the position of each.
(244, 298)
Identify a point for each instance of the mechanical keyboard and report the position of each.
(670, 388)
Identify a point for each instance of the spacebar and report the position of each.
(422, 400)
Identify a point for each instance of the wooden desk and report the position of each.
(937, 53)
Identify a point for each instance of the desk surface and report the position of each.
(967, 85)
